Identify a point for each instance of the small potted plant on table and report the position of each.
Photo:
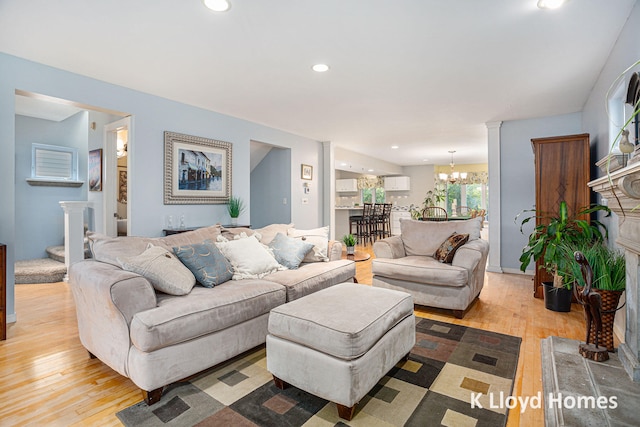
(546, 241)
(349, 241)
(235, 208)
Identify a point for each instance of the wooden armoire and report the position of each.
(562, 168)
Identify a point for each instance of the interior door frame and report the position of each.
(110, 175)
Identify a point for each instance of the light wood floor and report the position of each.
(48, 378)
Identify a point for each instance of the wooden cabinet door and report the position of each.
(562, 166)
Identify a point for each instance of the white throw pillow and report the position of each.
(162, 269)
(320, 239)
(249, 258)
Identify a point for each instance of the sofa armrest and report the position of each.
(469, 255)
(391, 247)
(335, 250)
(107, 298)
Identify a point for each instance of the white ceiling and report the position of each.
(423, 74)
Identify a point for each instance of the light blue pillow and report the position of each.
(289, 251)
(206, 262)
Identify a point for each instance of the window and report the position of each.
(473, 196)
(54, 163)
(367, 195)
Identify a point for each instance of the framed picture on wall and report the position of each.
(306, 172)
(95, 170)
(197, 170)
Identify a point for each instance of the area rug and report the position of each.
(440, 384)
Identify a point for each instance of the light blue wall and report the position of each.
(151, 117)
(518, 176)
(270, 184)
(595, 121)
(39, 217)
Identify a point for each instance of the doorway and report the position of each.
(270, 184)
(117, 148)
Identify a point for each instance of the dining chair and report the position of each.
(434, 213)
(463, 211)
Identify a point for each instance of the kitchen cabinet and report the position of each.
(346, 185)
(395, 220)
(562, 171)
(397, 183)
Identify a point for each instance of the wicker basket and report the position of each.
(610, 300)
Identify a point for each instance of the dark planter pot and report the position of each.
(556, 299)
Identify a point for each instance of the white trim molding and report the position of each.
(493, 143)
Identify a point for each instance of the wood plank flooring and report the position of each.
(48, 379)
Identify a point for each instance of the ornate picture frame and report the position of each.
(197, 171)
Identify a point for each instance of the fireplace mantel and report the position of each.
(621, 189)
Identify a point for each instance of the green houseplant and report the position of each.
(547, 239)
(349, 241)
(235, 208)
(608, 267)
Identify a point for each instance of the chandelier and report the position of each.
(454, 176)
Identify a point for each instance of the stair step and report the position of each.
(42, 270)
(56, 253)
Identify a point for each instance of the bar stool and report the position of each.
(362, 224)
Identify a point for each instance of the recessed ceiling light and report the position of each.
(550, 4)
(425, 160)
(217, 5)
(369, 170)
(395, 147)
(320, 68)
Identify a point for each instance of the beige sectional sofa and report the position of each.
(408, 262)
(155, 338)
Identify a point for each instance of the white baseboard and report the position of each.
(517, 271)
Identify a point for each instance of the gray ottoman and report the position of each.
(339, 342)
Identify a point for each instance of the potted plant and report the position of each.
(609, 280)
(433, 197)
(235, 208)
(349, 241)
(545, 243)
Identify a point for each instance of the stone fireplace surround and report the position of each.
(620, 190)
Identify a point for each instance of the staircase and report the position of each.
(44, 270)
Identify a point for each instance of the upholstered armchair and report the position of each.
(441, 264)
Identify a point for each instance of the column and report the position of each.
(493, 139)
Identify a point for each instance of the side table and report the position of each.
(358, 256)
(170, 231)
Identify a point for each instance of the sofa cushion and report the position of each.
(198, 235)
(107, 249)
(162, 269)
(326, 321)
(202, 312)
(206, 262)
(250, 258)
(269, 232)
(420, 269)
(448, 248)
(320, 239)
(424, 237)
(288, 251)
(314, 276)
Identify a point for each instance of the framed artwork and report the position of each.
(197, 171)
(95, 170)
(306, 172)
